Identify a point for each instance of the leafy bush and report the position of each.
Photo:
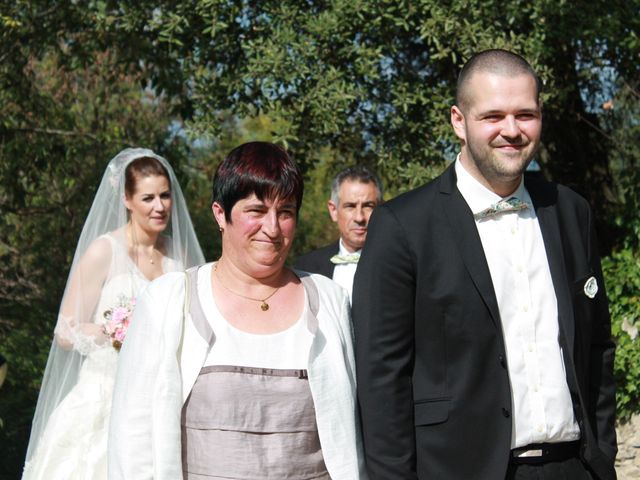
(622, 274)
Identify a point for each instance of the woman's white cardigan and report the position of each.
(162, 357)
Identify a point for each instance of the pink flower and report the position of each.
(119, 314)
(119, 334)
(117, 321)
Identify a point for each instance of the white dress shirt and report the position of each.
(343, 274)
(517, 260)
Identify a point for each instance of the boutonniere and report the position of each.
(591, 287)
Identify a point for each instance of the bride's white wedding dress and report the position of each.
(74, 443)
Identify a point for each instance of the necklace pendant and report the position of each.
(151, 260)
(264, 307)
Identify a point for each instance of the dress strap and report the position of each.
(194, 307)
(312, 292)
(313, 298)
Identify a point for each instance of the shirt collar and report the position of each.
(479, 197)
(343, 250)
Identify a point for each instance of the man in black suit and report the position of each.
(355, 192)
(483, 346)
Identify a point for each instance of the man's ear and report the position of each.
(333, 210)
(458, 123)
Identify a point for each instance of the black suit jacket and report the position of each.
(433, 384)
(318, 261)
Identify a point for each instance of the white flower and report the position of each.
(630, 328)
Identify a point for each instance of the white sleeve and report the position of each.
(144, 433)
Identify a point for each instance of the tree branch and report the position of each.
(51, 131)
(582, 118)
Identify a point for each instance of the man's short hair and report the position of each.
(497, 61)
(358, 173)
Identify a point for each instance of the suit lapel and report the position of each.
(468, 241)
(460, 217)
(545, 203)
(327, 266)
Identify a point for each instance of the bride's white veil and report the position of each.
(74, 337)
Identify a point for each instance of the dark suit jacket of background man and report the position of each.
(319, 260)
(433, 385)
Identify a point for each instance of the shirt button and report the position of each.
(525, 308)
(531, 347)
(513, 231)
(501, 360)
(540, 428)
(506, 413)
(520, 269)
(535, 388)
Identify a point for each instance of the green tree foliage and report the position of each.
(622, 268)
(622, 129)
(622, 272)
(375, 78)
(371, 79)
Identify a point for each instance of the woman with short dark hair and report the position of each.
(242, 368)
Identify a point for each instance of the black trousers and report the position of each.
(569, 469)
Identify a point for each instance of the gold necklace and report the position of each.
(264, 306)
(132, 236)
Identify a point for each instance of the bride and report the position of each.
(137, 229)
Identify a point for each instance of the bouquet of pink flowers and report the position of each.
(117, 320)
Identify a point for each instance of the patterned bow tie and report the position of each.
(503, 206)
(345, 259)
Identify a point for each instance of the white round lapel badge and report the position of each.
(591, 287)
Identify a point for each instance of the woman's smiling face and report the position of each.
(150, 204)
(260, 233)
